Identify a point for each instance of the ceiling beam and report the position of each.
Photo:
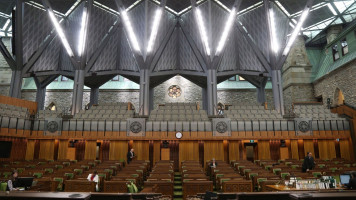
(102, 45)
(338, 12)
(265, 64)
(19, 14)
(243, 72)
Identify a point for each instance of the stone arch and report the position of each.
(338, 97)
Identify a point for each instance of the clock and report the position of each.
(179, 135)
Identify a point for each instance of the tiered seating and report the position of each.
(194, 179)
(43, 114)
(315, 112)
(178, 112)
(118, 111)
(160, 179)
(245, 112)
(14, 111)
(226, 179)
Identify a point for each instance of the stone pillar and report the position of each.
(261, 95)
(277, 91)
(144, 92)
(297, 75)
(78, 91)
(94, 96)
(15, 84)
(40, 97)
(211, 93)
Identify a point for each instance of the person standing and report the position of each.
(308, 163)
(213, 164)
(130, 156)
(94, 177)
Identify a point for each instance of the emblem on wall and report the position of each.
(53, 127)
(136, 127)
(221, 127)
(303, 127)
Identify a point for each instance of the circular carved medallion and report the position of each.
(136, 127)
(221, 127)
(174, 91)
(304, 126)
(52, 126)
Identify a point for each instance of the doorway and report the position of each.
(250, 151)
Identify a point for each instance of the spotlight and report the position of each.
(154, 29)
(227, 29)
(274, 41)
(83, 33)
(130, 31)
(202, 29)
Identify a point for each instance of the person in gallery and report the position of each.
(94, 177)
(130, 156)
(213, 164)
(308, 163)
(13, 182)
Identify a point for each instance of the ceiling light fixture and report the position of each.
(226, 31)
(274, 41)
(130, 31)
(154, 30)
(294, 35)
(60, 33)
(202, 29)
(83, 33)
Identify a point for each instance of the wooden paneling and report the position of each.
(118, 150)
(71, 153)
(62, 149)
(46, 149)
(294, 149)
(165, 154)
(344, 149)
(156, 151)
(30, 105)
(188, 150)
(141, 150)
(90, 150)
(30, 150)
(326, 149)
(308, 147)
(284, 153)
(213, 149)
(264, 152)
(234, 150)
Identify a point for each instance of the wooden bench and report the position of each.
(115, 186)
(237, 186)
(79, 186)
(195, 187)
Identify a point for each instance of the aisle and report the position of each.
(178, 192)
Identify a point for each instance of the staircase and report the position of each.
(178, 190)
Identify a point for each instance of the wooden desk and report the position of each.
(329, 196)
(43, 195)
(273, 188)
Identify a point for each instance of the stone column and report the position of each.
(16, 84)
(211, 93)
(94, 96)
(78, 91)
(277, 91)
(40, 97)
(144, 92)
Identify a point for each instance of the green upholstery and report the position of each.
(240, 167)
(92, 164)
(299, 178)
(259, 180)
(97, 161)
(225, 179)
(59, 166)
(294, 166)
(236, 164)
(16, 162)
(280, 161)
(5, 165)
(41, 163)
(78, 171)
(111, 171)
(333, 169)
(85, 167)
(102, 175)
(216, 170)
(60, 183)
(347, 165)
(253, 175)
(49, 170)
(185, 175)
(316, 174)
(337, 179)
(131, 180)
(37, 174)
(130, 188)
(69, 175)
(74, 161)
(31, 166)
(185, 180)
(218, 175)
(276, 170)
(263, 163)
(255, 161)
(6, 174)
(321, 165)
(288, 163)
(302, 160)
(20, 170)
(50, 160)
(284, 174)
(336, 162)
(135, 175)
(3, 186)
(246, 170)
(268, 167)
(66, 163)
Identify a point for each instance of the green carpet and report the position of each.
(178, 192)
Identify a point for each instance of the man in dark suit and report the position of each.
(352, 182)
(213, 164)
(308, 163)
(130, 156)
